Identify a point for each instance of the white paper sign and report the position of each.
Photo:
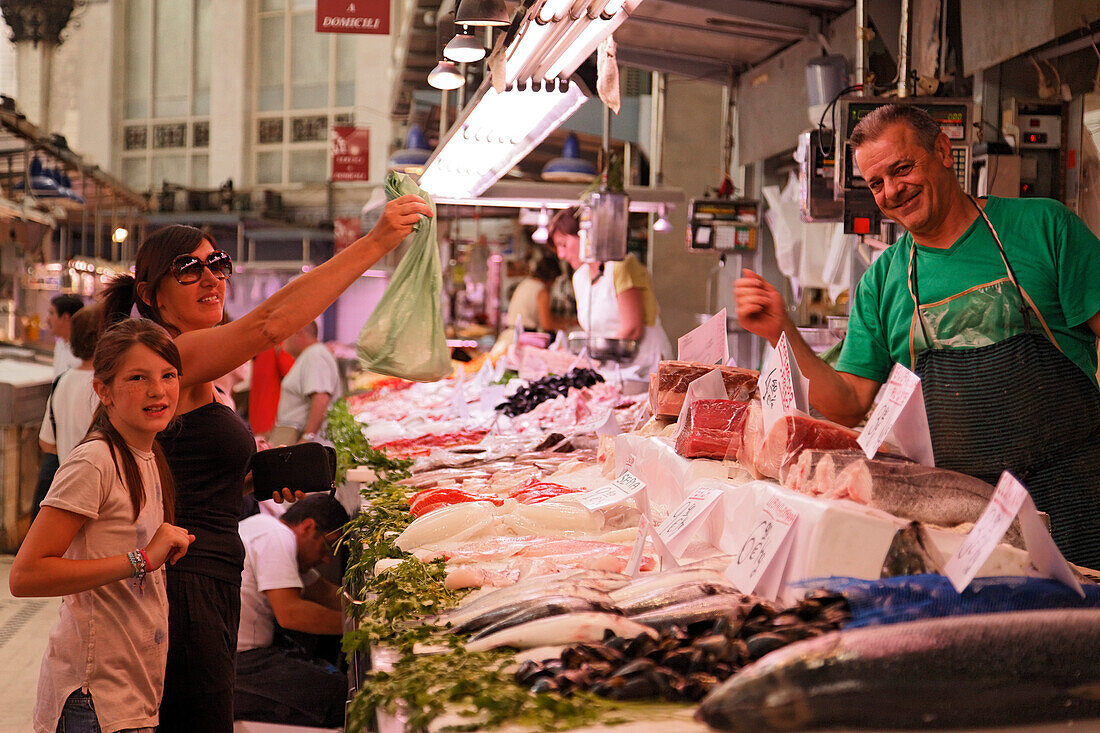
(484, 375)
(707, 344)
(900, 410)
(490, 397)
(710, 386)
(458, 400)
(731, 362)
(1009, 499)
(782, 390)
(685, 520)
(583, 360)
(765, 548)
(561, 342)
(616, 492)
(634, 566)
(610, 426)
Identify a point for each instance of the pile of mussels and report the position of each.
(686, 661)
(555, 385)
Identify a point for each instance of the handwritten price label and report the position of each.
(707, 344)
(897, 391)
(763, 545)
(779, 395)
(616, 492)
(676, 531)
(1003, 507)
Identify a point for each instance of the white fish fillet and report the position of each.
(568, 629)
(455, 522)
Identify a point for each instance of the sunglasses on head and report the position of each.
(187, 269)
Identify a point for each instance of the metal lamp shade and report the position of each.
(482, 13)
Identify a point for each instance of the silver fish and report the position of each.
(666, 596)
(706, 608)
(959, 671)
(496, 607)
(543, 608)
(647, 584)
(567, 629)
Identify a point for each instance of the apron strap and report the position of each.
(1028, 308)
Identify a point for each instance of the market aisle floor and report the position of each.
(25, 625)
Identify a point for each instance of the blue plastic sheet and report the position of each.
(914, 597)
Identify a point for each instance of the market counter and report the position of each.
(24, 389)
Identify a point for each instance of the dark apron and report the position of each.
(1019, 405)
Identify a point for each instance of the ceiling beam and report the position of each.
(693, 67)
(757, 11)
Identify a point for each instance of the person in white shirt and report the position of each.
(279, 584)
(307, 390)
(71, 404)
(59, 321)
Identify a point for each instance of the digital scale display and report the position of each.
(723, 225)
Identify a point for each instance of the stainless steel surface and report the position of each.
(603, 348)
(837, 325)
(819, 339)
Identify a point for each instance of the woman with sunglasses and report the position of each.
(179, 282)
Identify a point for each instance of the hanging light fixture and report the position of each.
(414, 156)
(482, 13)
(41, 184)
(464, 48)
(445, 76)
(541, 235)
(570, 167)
(662, 224)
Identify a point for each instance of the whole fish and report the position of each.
(561, 602)
(706, 608)
(568, 629)
(666, 596)
(544, 608)
(921, 493)
(959, 671)
(492, 604)
(648, 583)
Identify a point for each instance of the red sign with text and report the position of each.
(353, 16)
(350, 159)
(346, 229)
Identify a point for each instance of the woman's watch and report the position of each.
(309, 436)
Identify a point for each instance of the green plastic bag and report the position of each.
(404, 335)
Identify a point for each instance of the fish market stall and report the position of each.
(541, 552)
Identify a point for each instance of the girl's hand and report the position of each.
(169, 544)
(287, 496)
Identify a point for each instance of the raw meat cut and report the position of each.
(713, 429)
(791, 435)
(668, 386)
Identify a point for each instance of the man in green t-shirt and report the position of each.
(1004, 339)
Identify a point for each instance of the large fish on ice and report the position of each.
(959, 671)
(568, 629)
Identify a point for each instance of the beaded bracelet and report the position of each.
(141, 567)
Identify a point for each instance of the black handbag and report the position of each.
(302, 467)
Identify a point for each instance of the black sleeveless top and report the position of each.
(209, 450)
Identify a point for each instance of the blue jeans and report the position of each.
(78, 715)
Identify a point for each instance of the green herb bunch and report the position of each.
(353, 449)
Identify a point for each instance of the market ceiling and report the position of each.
(704, 39)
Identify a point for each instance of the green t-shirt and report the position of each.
(1054, 255)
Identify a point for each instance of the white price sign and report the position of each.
(707, 344)
(1009, 499)
(676, 531)
(616, 492)
(895, 395)
(764, 545)
(634, 566)
(782, 389)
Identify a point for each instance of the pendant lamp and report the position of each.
(414, 156)
(482, 13)
(464, 48)
(445, 76)
(570, 167)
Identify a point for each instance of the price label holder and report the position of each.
(900, 410)
(1009, 499)
(707, 344)
(684, 522)
(762, 556)
(458, 399)
(616, 492)
(783, 390)
(634, 566)
(710, 386)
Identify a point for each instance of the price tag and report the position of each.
(616, 492)
(583, 361)
(764, 546)
(685, 520)
(458, 400)
(490, 397)
(561, 342)
(898, 411)
(610, 426)
(484, 376)
(731, 362)
(782, 389)
(707, 344)
(633, 567)
(1009, 499)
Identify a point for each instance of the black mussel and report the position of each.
(640, 646)
(634, 667)
(765, 642)
(531, 670)
(678, 659)
(545, 684)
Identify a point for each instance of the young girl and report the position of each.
(101, 541)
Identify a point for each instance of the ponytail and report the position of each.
(119, 299)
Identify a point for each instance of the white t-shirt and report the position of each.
(63, 358)
(270, 563)
(113, 639)
(74, 402)
(315, 370)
